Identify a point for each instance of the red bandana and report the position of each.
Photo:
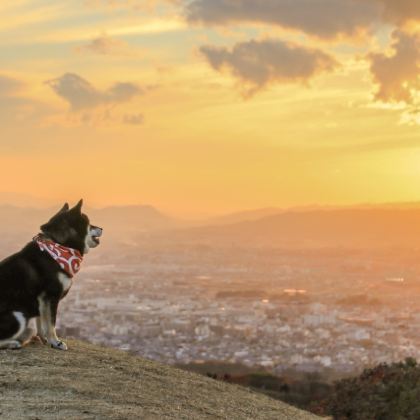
(68, 259)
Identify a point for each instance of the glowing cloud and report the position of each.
(397, 75)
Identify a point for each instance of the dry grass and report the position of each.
(90, 382)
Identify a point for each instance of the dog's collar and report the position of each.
(68, 259)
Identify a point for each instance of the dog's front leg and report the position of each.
(52, 338)
(40, 332)
(48, 314)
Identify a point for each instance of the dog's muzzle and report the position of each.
(96, 233)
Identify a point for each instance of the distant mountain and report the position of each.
(243, 216)
(369, 226)
(14, 219)
(19, 224)
(255, 214)
(22, 200)
(348, 227)
(118, 219)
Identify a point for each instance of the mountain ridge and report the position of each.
(347, 227)
(344, 227)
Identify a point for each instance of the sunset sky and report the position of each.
(209, 106)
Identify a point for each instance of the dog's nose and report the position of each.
(98, 231)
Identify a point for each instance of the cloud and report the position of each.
(323, 18)
(401, 11)
(122, 92)
(397, 74)
(81, 94)
(260, 63)
(104, 45)
(133, 119)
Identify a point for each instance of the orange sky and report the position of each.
(199, 107)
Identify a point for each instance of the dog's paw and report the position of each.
(59, 345)
(14, 345)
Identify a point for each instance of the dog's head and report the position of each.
(70, 227)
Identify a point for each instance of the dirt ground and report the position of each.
(90, 382)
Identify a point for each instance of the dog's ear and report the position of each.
(78, 207)
(65, 208)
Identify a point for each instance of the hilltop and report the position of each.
(91, 382)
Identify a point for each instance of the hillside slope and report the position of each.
(90, 382)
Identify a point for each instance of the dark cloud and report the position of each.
(260, 63)
(81, 94)
(323, 18)
(400, 11)
(397, 75)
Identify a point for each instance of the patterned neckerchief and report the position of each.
(68, 259)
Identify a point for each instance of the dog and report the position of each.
(35, 279)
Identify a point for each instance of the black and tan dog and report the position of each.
(34, 280)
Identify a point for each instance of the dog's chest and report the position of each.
(65, 282)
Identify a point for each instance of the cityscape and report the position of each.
(333, 312)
